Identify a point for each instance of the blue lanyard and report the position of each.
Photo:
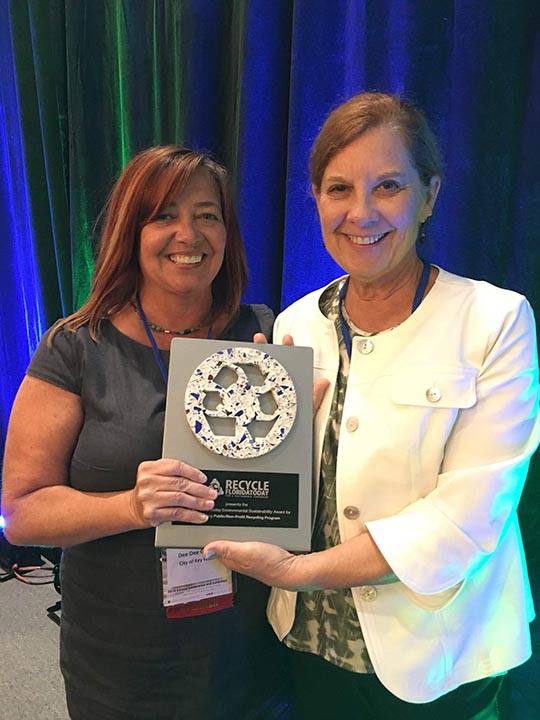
(153, 343)
(418, 296)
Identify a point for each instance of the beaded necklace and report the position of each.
(187, 331)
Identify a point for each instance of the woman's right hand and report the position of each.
(169, 489)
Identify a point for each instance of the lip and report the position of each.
(366, 240)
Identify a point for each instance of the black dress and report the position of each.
(121, 657)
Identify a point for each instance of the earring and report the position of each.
(422, 236)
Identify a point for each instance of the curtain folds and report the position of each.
(85, 84)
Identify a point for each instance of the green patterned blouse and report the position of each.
(326, 622)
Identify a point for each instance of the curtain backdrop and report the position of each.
(84, 84)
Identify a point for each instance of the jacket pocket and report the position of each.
(428, 386)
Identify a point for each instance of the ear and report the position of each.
(316, 196)
(431, 195)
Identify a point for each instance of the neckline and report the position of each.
(404, 330)
(425, 307)
(419, 296)
(362, 333)
(131, 340)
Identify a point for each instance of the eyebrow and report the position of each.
(200, 204)
(384, 176)
(208, 203)
(392, 174)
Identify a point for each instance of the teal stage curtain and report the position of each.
(84, 84)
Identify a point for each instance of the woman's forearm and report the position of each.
(355, 562)
(58, 515)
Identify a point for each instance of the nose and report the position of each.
(184, 229)
(362, 210)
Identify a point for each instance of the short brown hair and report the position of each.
(149, 181)
(366, 111)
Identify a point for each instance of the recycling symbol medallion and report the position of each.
(240, 403)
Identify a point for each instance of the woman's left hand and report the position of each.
(268, 563)
(319, 386)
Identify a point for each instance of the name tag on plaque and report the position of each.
(242, 413)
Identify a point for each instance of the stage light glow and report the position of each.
(20, 289)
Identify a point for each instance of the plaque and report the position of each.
(242, 413)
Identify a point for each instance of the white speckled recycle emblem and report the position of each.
(225, 397)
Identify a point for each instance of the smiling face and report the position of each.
(182, 247)
(371, 203)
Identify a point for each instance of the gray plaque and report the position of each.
(242, 413)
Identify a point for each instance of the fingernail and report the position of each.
(210, 555)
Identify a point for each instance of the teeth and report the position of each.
(185, 259)
(365, 239)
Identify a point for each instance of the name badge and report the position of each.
(188, 577)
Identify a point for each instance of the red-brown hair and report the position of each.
(152, 179)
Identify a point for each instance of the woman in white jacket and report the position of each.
(415, 599)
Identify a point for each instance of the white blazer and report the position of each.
(439, 422)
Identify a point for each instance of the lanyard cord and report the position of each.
(418, 296)
(153, 343)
